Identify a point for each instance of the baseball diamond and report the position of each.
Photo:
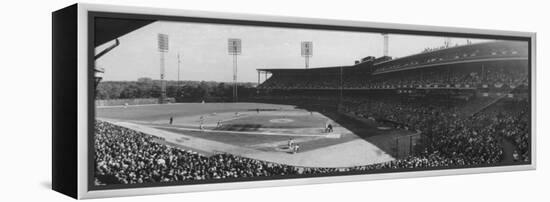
(260, 135)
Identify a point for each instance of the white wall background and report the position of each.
(25, 108)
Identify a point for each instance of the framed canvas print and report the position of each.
(149, 101)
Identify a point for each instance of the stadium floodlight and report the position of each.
(234, 48)
(307, 51)
(163, 48)
(386, 43)
(179, 63)
(163, 42)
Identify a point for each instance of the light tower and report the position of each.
(448, 41)
(234, 48)
(307, 51)
(386, 43)
(179, 62)
(163, 48)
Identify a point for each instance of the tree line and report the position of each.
(182, 90)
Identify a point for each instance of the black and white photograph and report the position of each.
(187, 101)
(275, 101)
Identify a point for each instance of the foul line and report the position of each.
(330, 135)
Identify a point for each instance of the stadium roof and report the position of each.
(108, 29)
(310, 70)
(461, 48)
(492, 45)
(460, 55)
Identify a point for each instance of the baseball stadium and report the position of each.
(448, 107)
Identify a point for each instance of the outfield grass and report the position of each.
(164, 112)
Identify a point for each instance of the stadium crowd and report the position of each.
(513, 124)
(124, 156)
(440, 55)
(450, 130)
(495, 77)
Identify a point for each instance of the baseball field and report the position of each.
(261, 131)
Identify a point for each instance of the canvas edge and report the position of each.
(64, 142)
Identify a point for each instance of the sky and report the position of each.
(204, 53)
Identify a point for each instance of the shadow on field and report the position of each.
(385, 140)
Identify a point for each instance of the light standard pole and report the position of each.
(307, 51)
(234, 48)
(179, 62)
(163, 48)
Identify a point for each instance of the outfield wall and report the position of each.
(116, 102)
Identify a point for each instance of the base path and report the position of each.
(353, 153)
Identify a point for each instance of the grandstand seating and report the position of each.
(487, 65)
